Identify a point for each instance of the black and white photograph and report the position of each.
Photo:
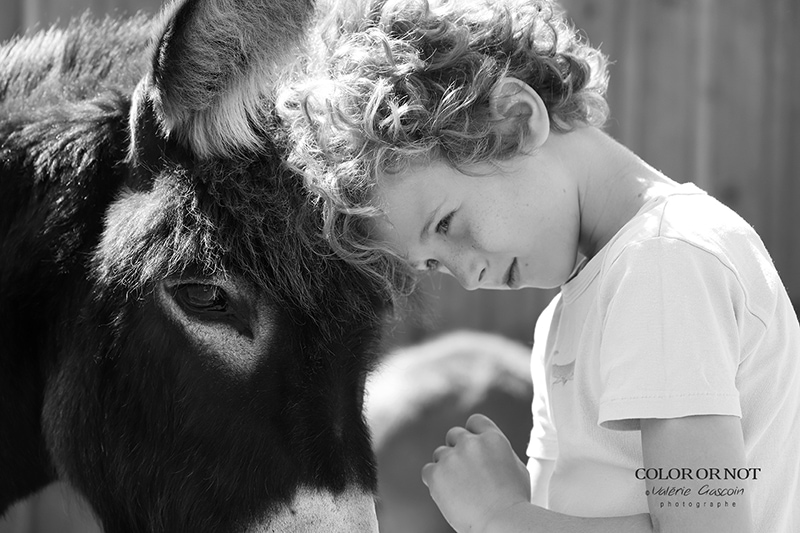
(399, 266)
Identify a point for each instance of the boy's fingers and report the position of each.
(437, 453)
(426, 473)
(454, 435)
(479, 423)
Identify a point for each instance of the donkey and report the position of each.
(177, 342)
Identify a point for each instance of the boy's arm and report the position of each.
(540, 471)
(697, 445)
(476, 467)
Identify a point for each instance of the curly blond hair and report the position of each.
(396, 82)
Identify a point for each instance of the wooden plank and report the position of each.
(44, 13)
(612, 26)
(781, 140)
(669, 105)
(738, 162)
(11, 21)
(702, 171)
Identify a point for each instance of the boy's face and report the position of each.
(506, 227)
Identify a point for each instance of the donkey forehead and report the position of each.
(150, 235)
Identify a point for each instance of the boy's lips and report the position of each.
(511, 275)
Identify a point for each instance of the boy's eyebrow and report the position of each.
(423, 236)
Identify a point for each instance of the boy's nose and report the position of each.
(469, 274)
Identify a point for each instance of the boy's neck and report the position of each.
(613, 184)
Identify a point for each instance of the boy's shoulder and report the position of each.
(690, 215)
(691, 227)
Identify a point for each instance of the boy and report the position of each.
(465, 137)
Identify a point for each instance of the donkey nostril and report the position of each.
(480, 276)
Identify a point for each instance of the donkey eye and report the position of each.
(201, 298)
(210, 303)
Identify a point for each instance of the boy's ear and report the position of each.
(214, 68)
(514, 104)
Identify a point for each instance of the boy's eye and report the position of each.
(444, 224)
(432, 264)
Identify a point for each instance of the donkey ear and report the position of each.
(215, 65)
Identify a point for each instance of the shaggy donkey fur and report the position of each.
(176, 340)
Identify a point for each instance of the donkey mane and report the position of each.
(75, 62)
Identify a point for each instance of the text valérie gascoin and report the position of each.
(705, 490)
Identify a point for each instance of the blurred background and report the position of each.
(704, 90)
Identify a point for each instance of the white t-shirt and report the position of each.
(682, 313)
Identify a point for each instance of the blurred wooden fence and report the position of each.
(20, 15)
(705, 90)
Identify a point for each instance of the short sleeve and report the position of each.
(670, 340)
(543, 443)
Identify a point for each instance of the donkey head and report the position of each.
(204, 355)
